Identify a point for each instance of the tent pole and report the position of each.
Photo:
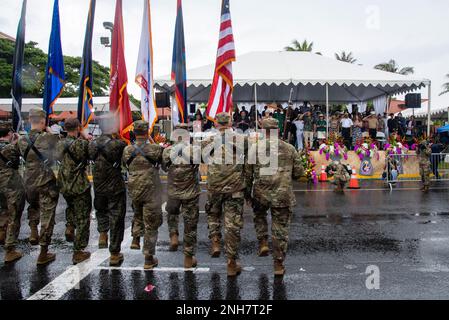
(429, 107)
(327, 111)
(255, 101)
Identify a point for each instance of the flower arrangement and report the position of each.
(366, 148)
(333, 147)
(309, 164)
(396, 146)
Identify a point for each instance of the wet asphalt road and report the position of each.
(333, 239)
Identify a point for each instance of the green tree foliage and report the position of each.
(35, 61)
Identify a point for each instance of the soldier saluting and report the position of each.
(11, 187)
(75, 187)
(42, 192)
(142, 161)
(109, 188)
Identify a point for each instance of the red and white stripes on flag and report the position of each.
(220, 99)
(144, 73)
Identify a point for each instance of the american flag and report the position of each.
(220, 99)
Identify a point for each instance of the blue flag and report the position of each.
(179, 74)
(85, 102)
(54, 73)
(16, 91)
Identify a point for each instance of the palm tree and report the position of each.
(445, 87)
(305, 46)
(392, 66)
(346, 57)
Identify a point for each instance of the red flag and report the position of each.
(119, 99)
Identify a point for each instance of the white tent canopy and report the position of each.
(276, 73)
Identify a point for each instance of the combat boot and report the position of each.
(116, 259)
(234, 268)
(103, 240)
(12, 255)
(80, 256)
(150, 262)
(174, 242)
(264, 250)
(135, 245)
(45, 257)
(279, 268)
(2, 236)
(215, 247)
(426, 189)
(34, 236)
(190, 262)
(70, 233)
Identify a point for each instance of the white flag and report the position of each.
(144, 73)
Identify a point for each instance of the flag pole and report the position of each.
(255, 107)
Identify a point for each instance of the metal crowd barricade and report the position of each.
(405, 168)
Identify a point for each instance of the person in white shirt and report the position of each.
(299, 123)
(346, 127)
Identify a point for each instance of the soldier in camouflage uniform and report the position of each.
(341, 174)
(273, 190)
(424, 153)
(142, 161)
(75, 187)
(183, 193)
(12, 190)
(42, 192)
(109, 188)
(226, 188)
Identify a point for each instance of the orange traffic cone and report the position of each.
(323, 175)
(354, 182)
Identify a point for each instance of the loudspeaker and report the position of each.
(413, 101)
(192, 108)
(162, 99)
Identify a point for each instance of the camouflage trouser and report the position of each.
(146, 222)
(173, 211)
(111, 212)
(425, 170)
(78, 211)
(280, 224)
(231, 205)
(12, 204)
(43, 202)
(190, 212)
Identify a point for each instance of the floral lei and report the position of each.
(334, 147)
(366, 148)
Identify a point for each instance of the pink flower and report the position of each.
(345, 156)
(361, 156)
(328, 156)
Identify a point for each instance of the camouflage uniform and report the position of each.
(274, 190)
(75, 187)
(341, 174)
(42, 192)
(424, 153)
(144, 187)
(11, 191)
(226, 187)
(109, 188)
(183, 193)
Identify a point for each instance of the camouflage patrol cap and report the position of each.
(72, 124)
(270, 123)
(223, 118)
(37, 113)
(141, 127)
(182, 126)
(5, 126)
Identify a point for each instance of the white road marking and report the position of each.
(69, 279)
(158, 269)
(379, 189)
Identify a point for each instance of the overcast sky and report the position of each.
(414, 33)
